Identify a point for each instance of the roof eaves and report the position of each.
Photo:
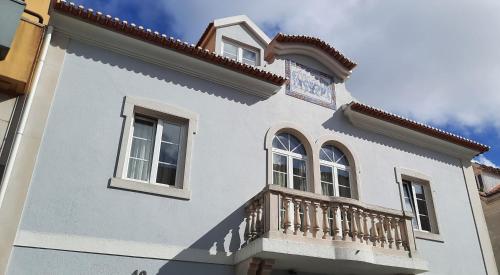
(154, 37)
(418, 127)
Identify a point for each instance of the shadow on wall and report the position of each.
(144, 68)
(339, 123)
(217, 246)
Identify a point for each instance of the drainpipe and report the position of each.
(24, 116)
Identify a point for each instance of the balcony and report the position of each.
(288, 229)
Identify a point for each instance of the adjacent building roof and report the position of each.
(418, 127)
(154, 37)
(487, 169)
(318, 43)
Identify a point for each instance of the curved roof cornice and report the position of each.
(316, 48)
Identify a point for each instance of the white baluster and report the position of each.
(297, 221)
(307, 224)
(326, 225)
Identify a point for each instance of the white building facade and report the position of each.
(243, 154)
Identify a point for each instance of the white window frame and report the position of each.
(430, 199)
(158, 124)
(290, 156)
(160, 113)
(335, 167)
(240, 51)
(415, 204)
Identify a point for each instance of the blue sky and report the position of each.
(437, 62)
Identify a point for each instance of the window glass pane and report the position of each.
(424, 223)
(340, 157)
(344, 185)
(230, 51)
(278, 144)
(169, 153)
(138, 169)
(280, 170)
(299, 174)
(327, 189)
(326, 153)
(171, 133)
(279, 163)
(409, 203)
(422, 207)
(283, 138)
(299, 167)
(141, 150)
(299, 150)
(299, 183)
(326, 173)
(294, 143)
(326, 180)
(419, 191)
(249, 57)
(166, 174)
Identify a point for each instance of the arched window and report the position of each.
(335, 172)
(289, 162)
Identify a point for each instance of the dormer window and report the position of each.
(239, 53)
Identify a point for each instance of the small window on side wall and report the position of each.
(155, 150)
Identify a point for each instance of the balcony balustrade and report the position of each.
(292, 224)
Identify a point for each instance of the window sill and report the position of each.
(156, 189)
(424, 235)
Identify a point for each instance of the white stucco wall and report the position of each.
(70, 203)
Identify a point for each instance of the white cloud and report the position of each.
(483, 160)
(435, 61)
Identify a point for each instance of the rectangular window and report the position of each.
(155, 151)
(240, 53)
(415, 201)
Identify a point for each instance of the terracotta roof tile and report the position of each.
(418, 127)
(153, 37)
(487, 169)
(316, 42)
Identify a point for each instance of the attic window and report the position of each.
(239, 53)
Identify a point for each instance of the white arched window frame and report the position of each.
(289, 162)
(335, 172)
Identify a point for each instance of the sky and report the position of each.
(437, 62)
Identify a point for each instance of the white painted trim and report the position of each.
(115, 247)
